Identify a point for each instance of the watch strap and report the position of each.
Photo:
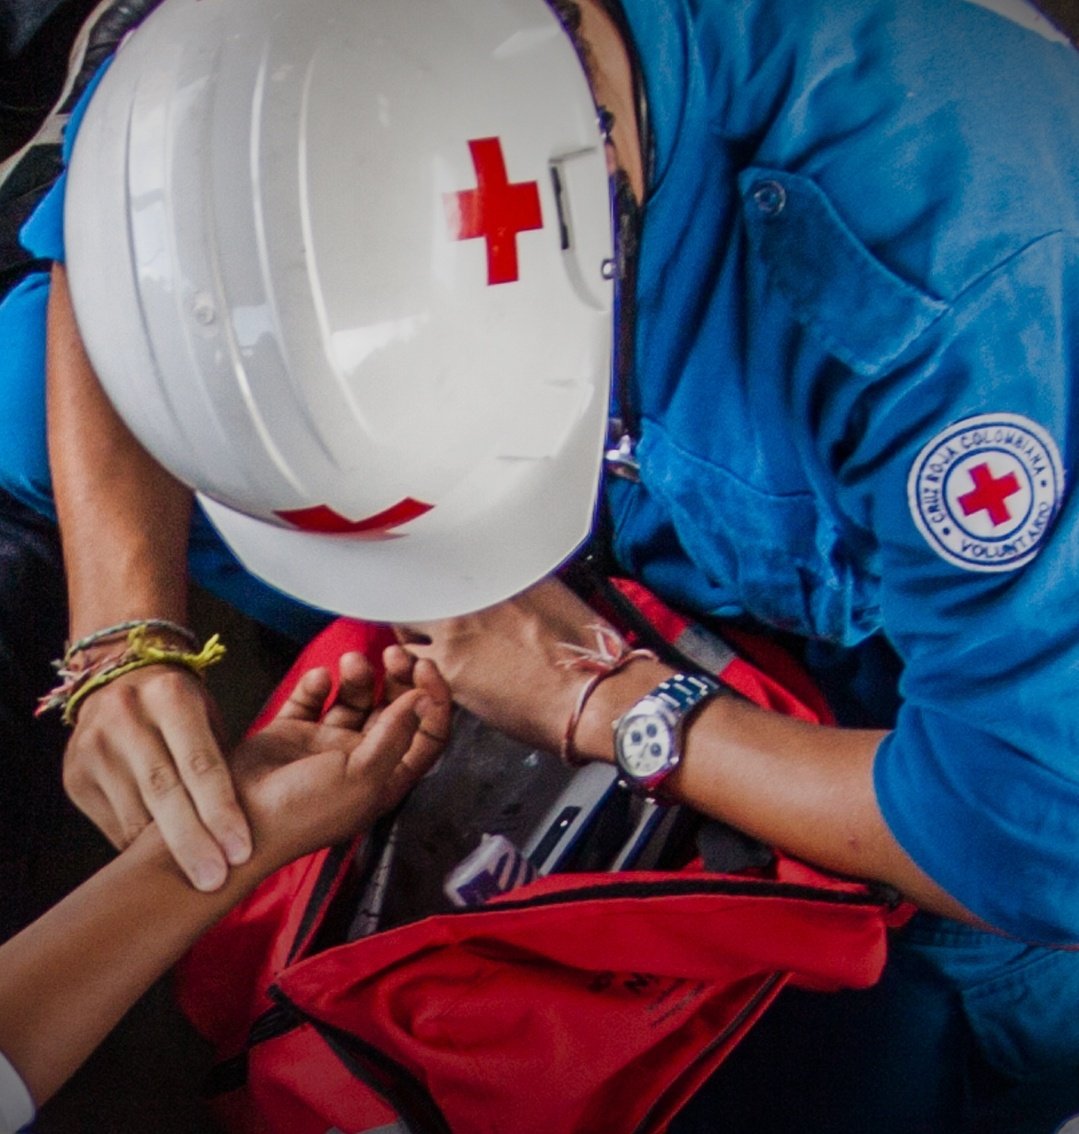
(683, 692)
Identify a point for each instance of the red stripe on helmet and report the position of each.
(325, 521)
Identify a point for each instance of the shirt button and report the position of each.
(770, 197)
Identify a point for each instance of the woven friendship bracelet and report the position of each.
(610, 655)
(71, 678)
(141, 650)
(122, 629)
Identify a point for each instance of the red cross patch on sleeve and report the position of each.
(984, 491)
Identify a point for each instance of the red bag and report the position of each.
(586, 1003)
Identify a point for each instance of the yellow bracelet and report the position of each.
(142, 651)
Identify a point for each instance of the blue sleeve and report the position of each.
(925, 259)
(43, 233)
(900, 343)
(963, 473)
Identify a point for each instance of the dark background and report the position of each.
(146, 1076)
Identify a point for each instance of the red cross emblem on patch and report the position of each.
(496, 210)
(989, 494)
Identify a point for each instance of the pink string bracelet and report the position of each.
(610, 655)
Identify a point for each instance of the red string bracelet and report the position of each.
(610, 655)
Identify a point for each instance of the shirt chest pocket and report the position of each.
(776, 555)
(825, 313)
(807, 258)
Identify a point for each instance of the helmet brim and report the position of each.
(413, 577)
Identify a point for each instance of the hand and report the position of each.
(308, 782)
(147, 747)
(508, 663)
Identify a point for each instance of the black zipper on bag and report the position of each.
(386, 1077)
(675, 887)
(328, 876)
(225, 1077)
(231, 1074)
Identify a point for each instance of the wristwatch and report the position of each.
(648, 737)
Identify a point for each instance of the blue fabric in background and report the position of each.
(863, 229)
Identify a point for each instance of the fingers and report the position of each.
(398, 663)
(387, 741)
(150, 753)
(398, 744)
(353, 702)
(308, 697)
(394, 750)
(404, 673)
(187, 790)
(114, 807)
(313, 798)
(436, 706)
(144, 749)
(433, 711)
(355, 695)
(187, 787)
(309, 781)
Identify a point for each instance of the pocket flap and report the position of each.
(861, 311)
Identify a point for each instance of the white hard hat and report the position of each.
(343, 267)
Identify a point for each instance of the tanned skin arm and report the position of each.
(144, 747)
(67, 979)
(803, 787)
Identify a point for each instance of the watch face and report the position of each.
(645, 746)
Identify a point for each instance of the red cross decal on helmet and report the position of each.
(989, 494)
(497, 209)
(325, 521)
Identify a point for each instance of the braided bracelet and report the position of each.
(122, 629)
(140, 650)
(610, 655)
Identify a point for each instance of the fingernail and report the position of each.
(237, 849)
(209, 875)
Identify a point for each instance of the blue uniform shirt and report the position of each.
(857, 346)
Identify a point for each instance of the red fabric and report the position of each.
(344, 635)
(764, 673)
(784, 685)
(595, 1004)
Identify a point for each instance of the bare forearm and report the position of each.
(123, 519)
(806, 788)
(313, 777)
(67, 979)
